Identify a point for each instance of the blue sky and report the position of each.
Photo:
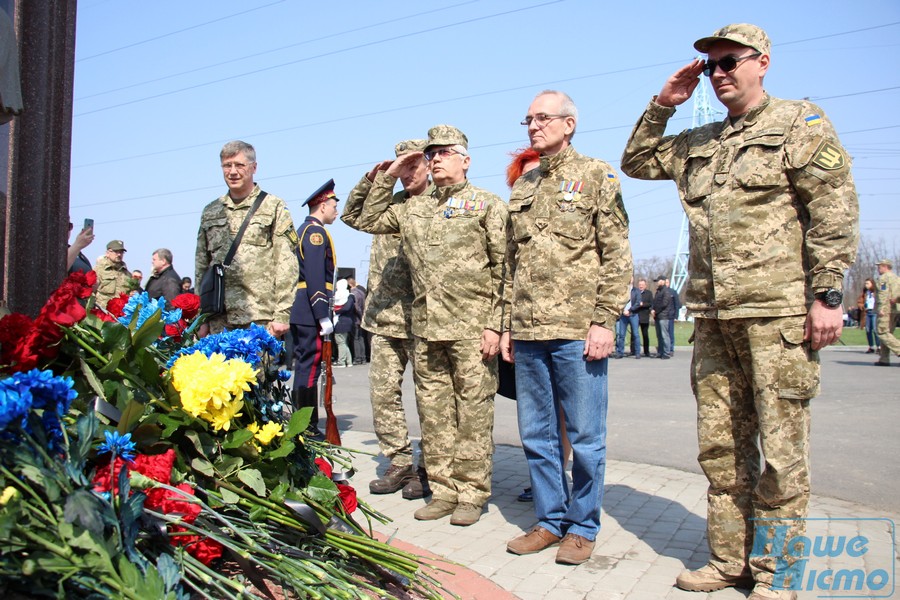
(324, 90)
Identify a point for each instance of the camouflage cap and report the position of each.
(116, 245)
(744, 34)
(886, 262)
(446, 135)
(407, 146)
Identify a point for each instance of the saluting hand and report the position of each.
(404, 164)
(679, 87)
(382, 166)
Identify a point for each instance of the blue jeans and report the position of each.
(663, 341)
(550, 374)
(871, 334)
(622, 330)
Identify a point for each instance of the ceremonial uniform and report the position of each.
(454, 238)
(314, 290)
(773, 218)
(888, 288)
(259, 283)
(388, 317)
(112, 279)
(568, 267)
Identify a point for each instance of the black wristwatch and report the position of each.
(831, 297)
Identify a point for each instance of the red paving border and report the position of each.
(461, 580)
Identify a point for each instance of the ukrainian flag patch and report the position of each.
(813, 120)
(611, 176)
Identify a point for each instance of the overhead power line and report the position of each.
(171, 33)
(309, 58)
(278, 49)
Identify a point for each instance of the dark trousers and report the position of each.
(645, 336)
(307, 367)
(358, 344)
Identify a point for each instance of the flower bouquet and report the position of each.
(138, 462)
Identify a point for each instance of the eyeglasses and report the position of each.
(239, 166)
(726, 63)
(442, 152)
(541, 118)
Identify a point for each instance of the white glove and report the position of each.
(325, 326)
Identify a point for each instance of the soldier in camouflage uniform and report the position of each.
(388, 318)
(259, 284)
(455, 240)
(888, 288)
(113, 277)
(774, 223)
(568, 268)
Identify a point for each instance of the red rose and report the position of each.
(14, 330)
(116, 306)
(189, 305)
(347, 496)
(175, 330)
(324, 466)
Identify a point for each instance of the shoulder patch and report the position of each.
(829, 157)
(292, 236)
(316, 239)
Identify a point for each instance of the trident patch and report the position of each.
(829, 157)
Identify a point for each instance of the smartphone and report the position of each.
(88, 224)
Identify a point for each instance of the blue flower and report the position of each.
(246, 344)
(284, 375)
(146, 308)
(35, 390)
(118, 445)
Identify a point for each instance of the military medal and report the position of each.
(458, 205)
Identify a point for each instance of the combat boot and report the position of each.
(762, 591)
(394, 478)
(465, 514)
(435, 510)
(709, 579)
(418, 486)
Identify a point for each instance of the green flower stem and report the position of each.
(213, 575)
(137, 382)
(14, 480)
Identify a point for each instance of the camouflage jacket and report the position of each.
(455, 241)
(112, 279)
(389, 301)
(259, 284)
(568, 260)
(888, 288)
(771, 203)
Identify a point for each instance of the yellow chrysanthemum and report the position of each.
(268, 433)
(212, 388)
(9, 493)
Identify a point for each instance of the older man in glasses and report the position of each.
(568, 268)
(774, 223)
(455, 239)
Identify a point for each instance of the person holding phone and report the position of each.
(75, 258)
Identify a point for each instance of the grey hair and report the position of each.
(165, 254)
(567, 106)
(232, 148)
(460, 149)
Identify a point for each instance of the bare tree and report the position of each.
(870, 251)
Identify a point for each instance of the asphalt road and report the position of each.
(652, 419)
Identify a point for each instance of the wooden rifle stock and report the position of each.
(332, 435)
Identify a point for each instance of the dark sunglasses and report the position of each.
(726, 63)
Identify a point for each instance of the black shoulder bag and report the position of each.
(212, 285)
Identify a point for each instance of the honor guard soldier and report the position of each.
(310, 314)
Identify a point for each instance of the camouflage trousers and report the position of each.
(455, 394)
(884, 327)
(753, 379)
(389, 359)
(218, 324)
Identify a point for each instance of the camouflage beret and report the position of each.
(446, 135)
(744, 34)
(407, 146)
(885, 262)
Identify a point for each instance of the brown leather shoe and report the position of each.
(534, 541)
(574, 550)
(392, 480)
(709, 579)
(418, 486)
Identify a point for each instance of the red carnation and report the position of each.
(324, 466)
(157, 467)
(189, 305)
(116, 306)
(348, 497)
(102, 315)
(203, 549)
